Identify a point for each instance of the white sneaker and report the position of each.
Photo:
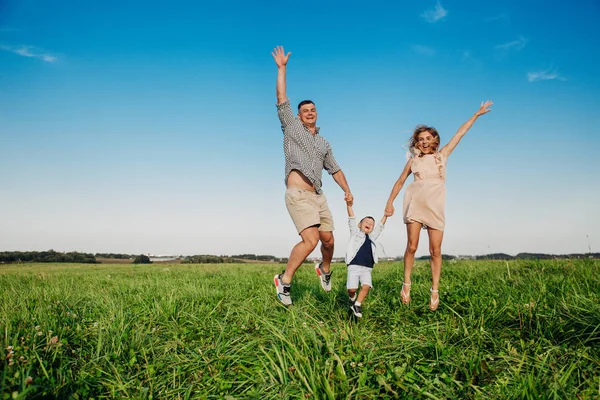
(324, 278)
(283, 291)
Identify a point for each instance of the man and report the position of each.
(306, 155)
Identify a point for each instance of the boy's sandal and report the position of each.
(403, 295)
(433, 305)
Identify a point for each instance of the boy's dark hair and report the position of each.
(303, 102)
(368, 216)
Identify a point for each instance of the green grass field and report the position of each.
(522, 329)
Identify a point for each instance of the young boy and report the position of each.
(360, 257)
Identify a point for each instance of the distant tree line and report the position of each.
(520, 256)
(49, 256)
(208, 259)
(535, 256)
(142, 259)
(239, 258)
(246, 256)
(115, 256)
(52, 256)
(444, 257)
(257, 257)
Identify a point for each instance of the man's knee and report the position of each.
(310, 237)
(328, 244)
(327, 239)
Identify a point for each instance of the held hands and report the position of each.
(280, 57)
(389, 210)
(349, 199)
(483, 109)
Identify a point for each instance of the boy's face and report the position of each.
(366, 225)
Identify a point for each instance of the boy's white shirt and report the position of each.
(357, 238)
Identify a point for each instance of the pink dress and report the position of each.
(425, 198)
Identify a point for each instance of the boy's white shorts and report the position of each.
(358, 273)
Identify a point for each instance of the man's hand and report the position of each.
(349, 199)
(280, 57)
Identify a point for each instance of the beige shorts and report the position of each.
(307, 209)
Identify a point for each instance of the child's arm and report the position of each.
(350, 210)
(378, 228)
(389, 207)
(351, 218)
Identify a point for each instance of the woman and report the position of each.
(425, 198)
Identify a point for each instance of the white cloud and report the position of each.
(544, 75)
(435, 14)
(515, 45)
(24, 51)
(31, 52)
(49, 58)
(424, 50)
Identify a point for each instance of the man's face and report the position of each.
(308, 114)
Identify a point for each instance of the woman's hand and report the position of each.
(389, 210)
(483, 109)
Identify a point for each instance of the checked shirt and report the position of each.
(305, 152)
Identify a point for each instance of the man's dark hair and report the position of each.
(303, 102)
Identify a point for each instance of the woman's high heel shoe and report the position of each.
(433, 305)
(403, 295)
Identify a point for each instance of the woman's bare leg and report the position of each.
(435, 250)
(413, 230)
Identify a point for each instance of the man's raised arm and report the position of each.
(281, 60)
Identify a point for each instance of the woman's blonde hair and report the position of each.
(414, 140)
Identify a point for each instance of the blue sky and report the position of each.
(151, 128)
